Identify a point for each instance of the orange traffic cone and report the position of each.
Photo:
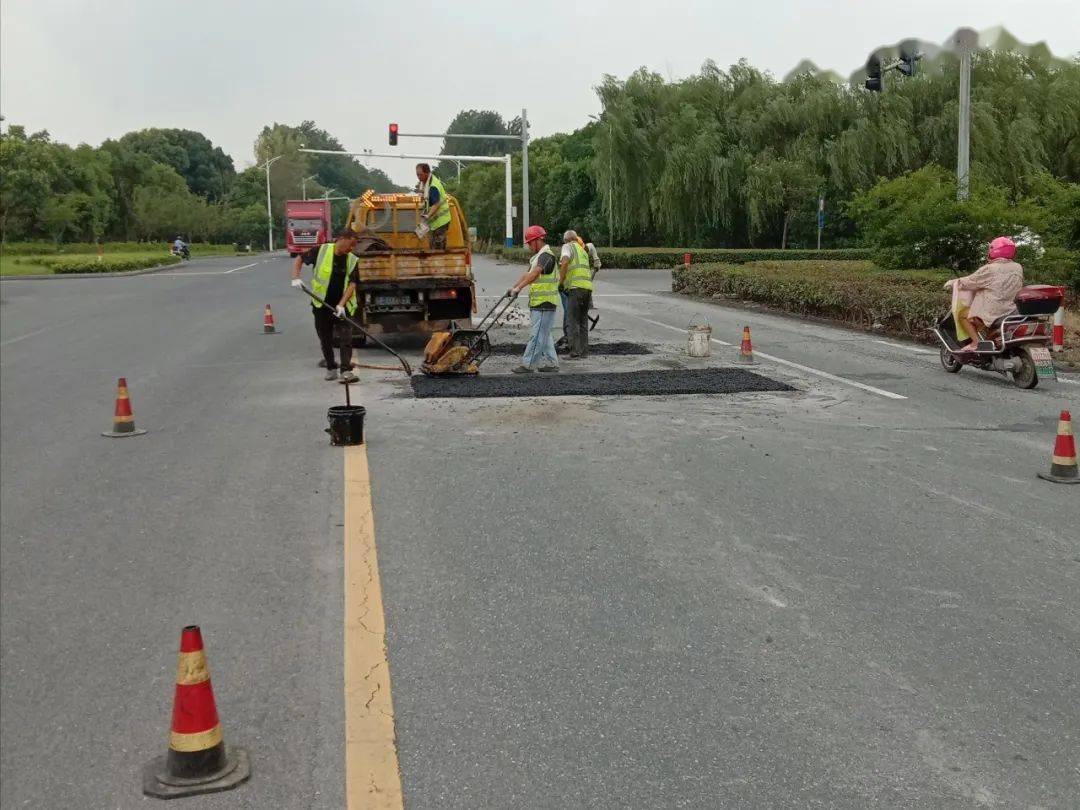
(268, 321)
(1063, 469)
(123, 418)
(197, 761)
(746, 348)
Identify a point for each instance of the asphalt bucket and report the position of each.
(346, 425)
(698, 337)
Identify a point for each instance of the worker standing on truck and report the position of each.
(334, 263)
(575, 278)
(436, 206)
(541, 279)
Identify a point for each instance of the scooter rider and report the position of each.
(994, 287)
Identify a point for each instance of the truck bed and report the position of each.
(402, 265)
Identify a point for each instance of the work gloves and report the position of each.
(511, 293)
(297, 283)
(339, 311)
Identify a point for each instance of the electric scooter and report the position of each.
(1017, 344)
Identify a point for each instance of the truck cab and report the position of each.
(404, 285)
(307, 224)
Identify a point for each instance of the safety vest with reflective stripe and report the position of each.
(545, 290)
(579, 273)
(442, 217)
(324, 266)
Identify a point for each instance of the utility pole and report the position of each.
(269, 215)
(524, 173)
(966, 40)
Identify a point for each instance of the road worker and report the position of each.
(435, 203)
(334, 280)
(541, 279)
(575, 279)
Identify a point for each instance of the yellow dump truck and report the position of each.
(404, 285)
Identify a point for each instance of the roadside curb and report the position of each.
(124, 274)
(119, 274)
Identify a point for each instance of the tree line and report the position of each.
(734, 158)
(156, 183)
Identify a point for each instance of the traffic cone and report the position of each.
(746, 348)
(123, 418)
(1063, 469)
(197, 761)
(268, 321)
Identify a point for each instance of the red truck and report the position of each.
(307, 224)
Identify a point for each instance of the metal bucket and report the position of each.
(698, 342)
(346, 425)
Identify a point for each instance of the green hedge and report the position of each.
(117, 264)
(663, 258)
(905, 303)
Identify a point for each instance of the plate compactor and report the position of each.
(460, 352)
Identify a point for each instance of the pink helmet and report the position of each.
(534, 232)
(1002, 248)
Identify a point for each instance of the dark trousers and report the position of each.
(326, 325)
(578, 316)
(438, 237)
(565, 315)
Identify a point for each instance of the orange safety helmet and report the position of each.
(534, 232)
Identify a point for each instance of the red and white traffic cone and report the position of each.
(1058, 339)
(197, 760)
(123, 418)
(1063, 468)
(746, 348)
(268, 321)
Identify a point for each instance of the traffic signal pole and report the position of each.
(505, 160)
(395, 133)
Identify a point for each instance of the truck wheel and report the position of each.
(1027, 376)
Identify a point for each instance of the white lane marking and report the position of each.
(9, 341)
(245, 267)
(905, 348)
(622, 295)
(675, 328)
(881, 392)
(1069, 380)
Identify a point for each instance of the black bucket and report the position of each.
(346, 425)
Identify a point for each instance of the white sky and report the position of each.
(87, 71)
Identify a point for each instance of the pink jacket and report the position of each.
(995, 286)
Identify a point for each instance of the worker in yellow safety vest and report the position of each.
(334, 280)
(575, 281)
(542, 280)
(435, 206)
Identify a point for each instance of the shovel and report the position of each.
(404, 363)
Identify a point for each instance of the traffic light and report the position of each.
(873, 73)
(909, 55)
(393, 134)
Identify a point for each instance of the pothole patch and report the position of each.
(608, 384)
(620, 348)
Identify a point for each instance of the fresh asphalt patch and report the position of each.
(623, 348)
(609, 384)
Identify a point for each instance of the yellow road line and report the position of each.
(372, 778)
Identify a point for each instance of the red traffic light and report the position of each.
(393, 134)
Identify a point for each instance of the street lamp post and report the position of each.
(303, 184)
(611, 186)
(269, 215)
(966, 40)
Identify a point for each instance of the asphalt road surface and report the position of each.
(855, 594)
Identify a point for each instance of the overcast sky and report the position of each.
(87, 71)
